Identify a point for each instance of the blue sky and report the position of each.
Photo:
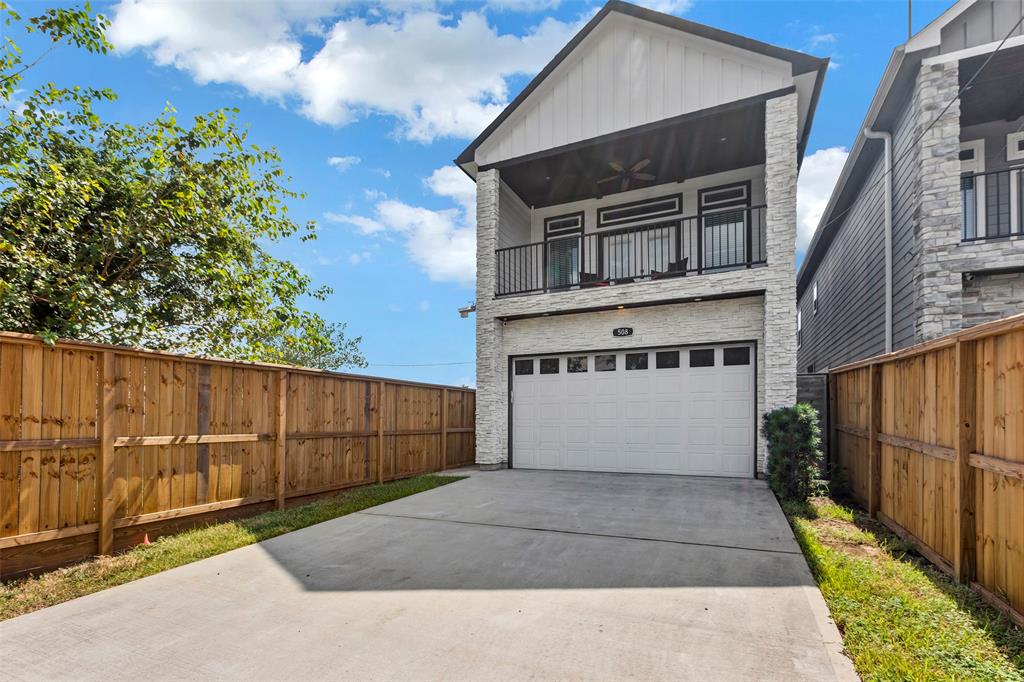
(368, 105)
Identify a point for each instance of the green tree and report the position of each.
(342, 351)
(150, 235)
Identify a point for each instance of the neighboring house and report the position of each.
(956, 246)
(636, 224)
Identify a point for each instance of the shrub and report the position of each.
(794, 450)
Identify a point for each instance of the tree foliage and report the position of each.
(341, 352)
(151, 235)
(794, 450)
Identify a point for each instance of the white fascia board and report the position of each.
(1015, 41)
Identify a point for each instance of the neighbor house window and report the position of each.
(576, 365)
(604, 363)
(702, 358)
(524, 367)
(636, 361)
(799, 327)
(666, 359)
(736, 356)
(814, 297)
(549, 366)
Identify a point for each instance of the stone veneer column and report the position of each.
(939, 288)
(491, 401)
(780, 140)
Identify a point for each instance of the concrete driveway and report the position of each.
(506, 575)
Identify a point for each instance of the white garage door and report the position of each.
(668, 411)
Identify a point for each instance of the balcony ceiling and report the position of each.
(996, 95)
(684, 147)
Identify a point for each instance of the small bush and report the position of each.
(794, 451)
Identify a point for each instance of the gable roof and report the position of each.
(892, 89)
(801, 63)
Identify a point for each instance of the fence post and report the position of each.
(281, 437)
(444, 429)
(380, 432)
(105, 505)
(964, 549)
(874, 445)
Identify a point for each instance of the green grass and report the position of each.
(901, 619)
(33, 593)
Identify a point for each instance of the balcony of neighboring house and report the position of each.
(992, 148)
(665, 202)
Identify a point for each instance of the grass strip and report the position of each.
(34, 593)
(901, 618)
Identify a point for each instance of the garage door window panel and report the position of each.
(636, 361)
(739, 355)
(666, 359)
(549, 366)
(524, 367)
(604, 363)
(703, 357)
(576, 365)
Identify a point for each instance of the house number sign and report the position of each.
(622, 331)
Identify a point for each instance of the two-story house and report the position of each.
(636, 224)
(924, 232)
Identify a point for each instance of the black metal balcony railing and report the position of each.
(724, 240)
(990, 204)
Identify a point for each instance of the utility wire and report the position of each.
(420, 364)
(905, 156)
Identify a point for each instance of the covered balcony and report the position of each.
(992, 148)
(681, 198)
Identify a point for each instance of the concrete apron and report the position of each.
(507, 575)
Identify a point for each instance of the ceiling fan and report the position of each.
(625, 175)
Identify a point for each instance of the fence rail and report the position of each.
(931, 440)
(97, 438)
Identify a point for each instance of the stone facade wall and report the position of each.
(939, 287)
(992, 297)
(780, 136)
(491, 403)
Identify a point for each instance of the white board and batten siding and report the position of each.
(628, 73)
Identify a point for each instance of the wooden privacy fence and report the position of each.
(931, 440)
(100, 443)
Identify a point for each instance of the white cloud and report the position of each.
(343, 163)
(669, 6)
(818, 176)
(408, 62)
(359, 257)
(443, 241)
(423, 306)
(382, 172)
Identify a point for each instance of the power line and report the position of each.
(906, 156)
(420, 364)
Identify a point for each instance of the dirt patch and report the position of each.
(843, 536)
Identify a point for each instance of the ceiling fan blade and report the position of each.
(616, 166)
(609, 178)
(643, 176)
(640, 165)
(625, 183)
